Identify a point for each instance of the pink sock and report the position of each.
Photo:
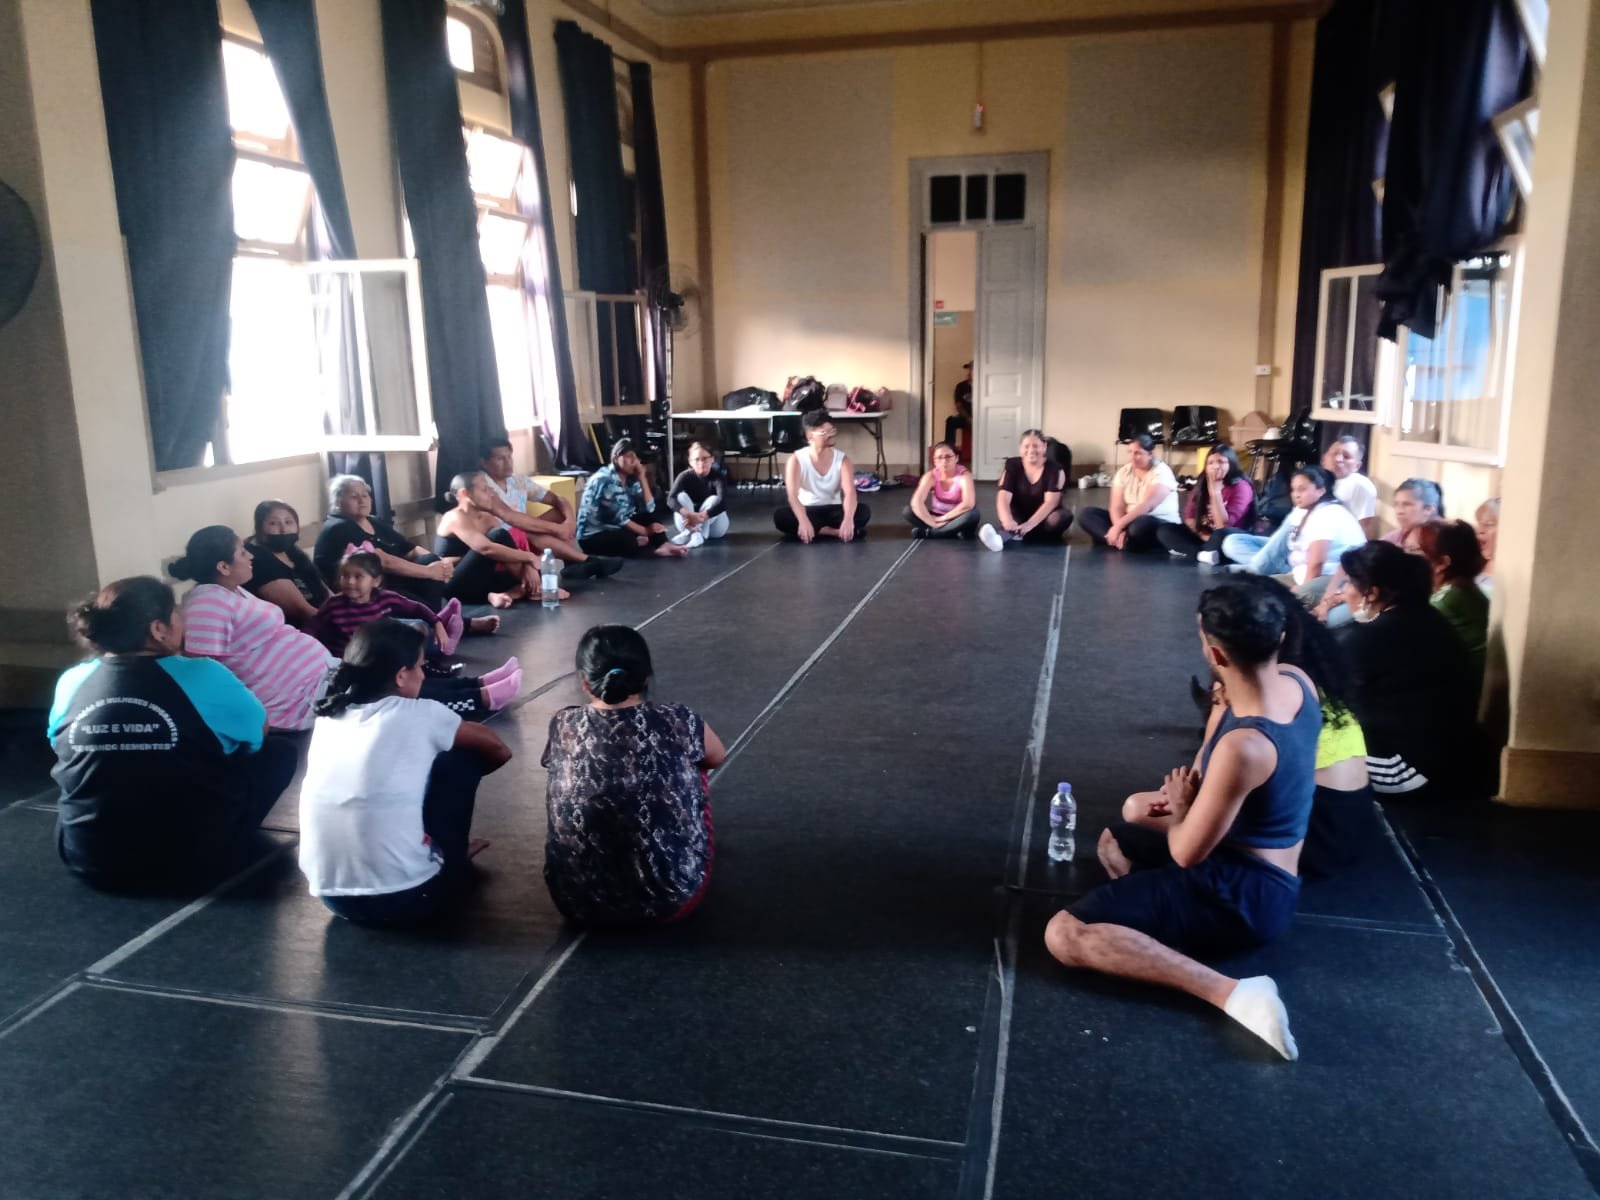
(454, 625)
(510, 667)
(502, 691)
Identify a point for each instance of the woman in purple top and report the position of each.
(1221, 503)
(945, 504)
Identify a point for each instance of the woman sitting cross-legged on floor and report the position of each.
(1221, 503)
(1144, 497)
(409, 568)
(1234, 829)
(945, 504)
(391, 781)
(1307, 545)
(1413, 686)
(1027, 503)
(698, 501)
(283, 574)
(618, 515)
(629, 837)
(490, 567)
(164, 762)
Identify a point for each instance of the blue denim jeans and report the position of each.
(1260, 555)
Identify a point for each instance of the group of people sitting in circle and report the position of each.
(177, 738)
(1341, 668)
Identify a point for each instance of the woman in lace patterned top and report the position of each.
(629, 838)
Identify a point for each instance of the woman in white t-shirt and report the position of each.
(1321, 527)
(390, 784)
(1144, 497)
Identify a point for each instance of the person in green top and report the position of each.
(1453, 553)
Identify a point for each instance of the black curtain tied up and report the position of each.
(652, 217)
(573, 449)
(171, 147)
(1448, 192)
(1346, 146)
(425, 116)
(606, 262)
(289, 34)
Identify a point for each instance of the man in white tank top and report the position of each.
(822, 488)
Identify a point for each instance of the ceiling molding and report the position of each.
(1061, 27)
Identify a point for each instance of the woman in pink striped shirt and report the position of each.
(286, 669)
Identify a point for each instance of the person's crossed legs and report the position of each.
(1139, 925)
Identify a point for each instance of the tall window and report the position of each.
(273, 408)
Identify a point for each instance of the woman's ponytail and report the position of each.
(615, 662)
(378, 652)
(205, 549)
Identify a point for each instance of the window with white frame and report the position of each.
(1351, 357)
(273, 408)
(505, 188)
(1453, 390)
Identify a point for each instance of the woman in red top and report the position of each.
(1220, 503)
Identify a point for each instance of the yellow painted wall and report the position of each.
(1158, 167)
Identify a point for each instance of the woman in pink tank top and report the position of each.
(945, 504)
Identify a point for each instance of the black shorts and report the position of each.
(1227, 904)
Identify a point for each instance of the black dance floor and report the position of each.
(863, 1007)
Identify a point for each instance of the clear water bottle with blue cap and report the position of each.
(1063, 824)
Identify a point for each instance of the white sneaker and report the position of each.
(1208, 557)
(681, 539)
(696, 540)
(990, 539)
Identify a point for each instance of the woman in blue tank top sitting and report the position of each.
(1234, 829)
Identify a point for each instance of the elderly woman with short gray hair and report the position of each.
(407, 567)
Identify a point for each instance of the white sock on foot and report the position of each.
(1256, 1005)
(990, 539)
(1209, 557)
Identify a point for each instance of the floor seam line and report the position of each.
(453, 1023)
(549, 684)
(376, 1169)
(137, 943)
(488, 1083)
(39, 1005)
(1006, 951)
(35, 798)
(1562, 1112)
(765, 716)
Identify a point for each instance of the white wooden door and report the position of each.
(1007, 373)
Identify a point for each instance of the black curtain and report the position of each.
(606, 263)
(289, 34)
(425, 117)
(652, 216)
(171, 147)
(1448, 192)
(573, 449)
(1346, 144)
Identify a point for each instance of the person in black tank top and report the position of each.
(163, 761)
(1234, 831)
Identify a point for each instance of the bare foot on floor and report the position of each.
(503, 599)
(484, 625)
(668, 550)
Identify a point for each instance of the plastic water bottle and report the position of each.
(1063, 824)
(549, 580)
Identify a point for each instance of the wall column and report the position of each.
(1548, 560)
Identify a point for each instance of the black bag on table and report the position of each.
(746, 397)
(804, 393)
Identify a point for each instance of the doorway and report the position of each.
(979, 235)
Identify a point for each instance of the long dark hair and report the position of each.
(378, 652)
(1246, 621)
(205, 549)
(615, 662)
(117, 618)
(1202, 503)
